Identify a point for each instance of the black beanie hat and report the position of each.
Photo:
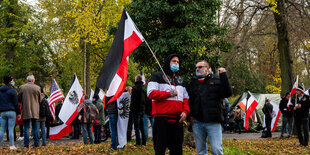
(7, 79)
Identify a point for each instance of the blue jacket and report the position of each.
(8, 99)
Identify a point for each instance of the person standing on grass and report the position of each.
(205, 100)
(30, 97)
(9, 109)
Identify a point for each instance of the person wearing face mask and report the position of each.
(9, 109)
(205, 100)
(169, 107)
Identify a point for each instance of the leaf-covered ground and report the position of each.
(258, 146)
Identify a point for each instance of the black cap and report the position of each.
(7, 79)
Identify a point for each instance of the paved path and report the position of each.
(247, 135)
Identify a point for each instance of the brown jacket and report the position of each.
(29, 96)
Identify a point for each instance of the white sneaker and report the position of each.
(13, 147)
(20, 138)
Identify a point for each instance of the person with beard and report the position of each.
(205, 100)
(169, 107)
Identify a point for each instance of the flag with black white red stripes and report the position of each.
(113, 74)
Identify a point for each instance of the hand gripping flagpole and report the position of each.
(154, 56)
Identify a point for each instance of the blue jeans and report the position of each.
(113, 130)
(43, 133)
(86, 130)
(8, 119)
(36, 132)
(201, 132)
(146, 119)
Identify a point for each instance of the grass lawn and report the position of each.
(259, 146)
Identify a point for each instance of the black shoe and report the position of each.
(35, 146)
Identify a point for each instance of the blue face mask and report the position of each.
(174, 68)
(12, 83)
(201, 74)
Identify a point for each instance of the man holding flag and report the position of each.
(170, 107)
(113, 74)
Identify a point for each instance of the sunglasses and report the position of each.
(199, 67)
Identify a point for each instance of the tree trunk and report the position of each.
(284, 48)
(84, 68)
(88, 88)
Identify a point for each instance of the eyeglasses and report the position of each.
(199, 67)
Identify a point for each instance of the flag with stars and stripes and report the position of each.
(56, 95)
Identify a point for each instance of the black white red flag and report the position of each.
(113, 74)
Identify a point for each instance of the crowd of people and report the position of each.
(166, 104)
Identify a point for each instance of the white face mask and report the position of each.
(201, 74)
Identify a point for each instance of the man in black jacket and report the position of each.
(267, 110)
(287, 116)
(205, 100)
(137, 108)
(301, 112)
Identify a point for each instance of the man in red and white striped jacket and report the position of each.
(169, 107)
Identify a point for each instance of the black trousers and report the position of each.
(97, 134)
(268, 126)
(77, 130)
(302, 123)
(168, 133)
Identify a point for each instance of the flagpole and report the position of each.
(158, 62)
(296, 91)
(152, 53)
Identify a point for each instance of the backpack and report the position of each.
(91, 113)
(44, 109)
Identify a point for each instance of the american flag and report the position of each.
(56, 95)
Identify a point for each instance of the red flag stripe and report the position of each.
(75, 113)
(60, 97)
(122, 73)
(63, 132)
(276, 122)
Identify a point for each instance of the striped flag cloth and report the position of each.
(56, 95)
(113, 74)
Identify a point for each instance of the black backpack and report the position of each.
(44, 108)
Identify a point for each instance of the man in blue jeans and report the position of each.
(206, 107)
(111, 109)
(29, 96)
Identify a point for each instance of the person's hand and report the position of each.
(173, 92)
(18, 117)
(222, 70)
(183, 117)
(191, 119)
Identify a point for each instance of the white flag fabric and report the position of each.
(59, 131)
(123, 103)
(92, 93)
(275, 116)
(101, 95)
(73, 99)
(295, 86)
(251, 106)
